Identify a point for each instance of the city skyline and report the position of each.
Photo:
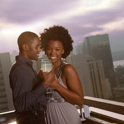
(95, 85)
(82, 18)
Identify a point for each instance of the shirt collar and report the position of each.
(23, 59)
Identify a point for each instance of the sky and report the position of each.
(82, 18)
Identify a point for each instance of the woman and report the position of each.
(57, 44)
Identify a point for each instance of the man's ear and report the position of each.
(25, 47)
(63, 52)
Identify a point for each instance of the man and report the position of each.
(28, 88)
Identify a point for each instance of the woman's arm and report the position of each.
(74, 92)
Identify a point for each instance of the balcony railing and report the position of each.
(94, 111)
(103, 111)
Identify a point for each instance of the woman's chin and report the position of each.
(52, 61)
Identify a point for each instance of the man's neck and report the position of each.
(23, 54)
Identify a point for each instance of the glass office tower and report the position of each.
(99, 48)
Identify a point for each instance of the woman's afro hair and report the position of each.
(57, 33)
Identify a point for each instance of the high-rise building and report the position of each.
(6, 103)
(79, 49)
(91, 75)
(99, 48)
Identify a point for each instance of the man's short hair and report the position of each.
(26, 37)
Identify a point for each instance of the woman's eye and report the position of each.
(57, 49)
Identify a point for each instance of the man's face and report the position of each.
(34, 49)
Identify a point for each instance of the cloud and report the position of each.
(82, 18)
(26, 11)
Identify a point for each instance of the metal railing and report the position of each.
(94, 110)
(103, 111)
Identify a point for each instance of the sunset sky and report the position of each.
(81, 17)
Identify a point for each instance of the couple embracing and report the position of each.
(29, 89)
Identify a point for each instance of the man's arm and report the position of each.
(24, 95)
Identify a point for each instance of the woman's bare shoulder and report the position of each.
(68, 68)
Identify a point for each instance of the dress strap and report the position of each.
(60, 70)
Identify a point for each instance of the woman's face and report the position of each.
(54, 50)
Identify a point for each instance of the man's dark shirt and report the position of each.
(28, 91)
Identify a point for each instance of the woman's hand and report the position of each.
(55, 83)
(47, 77)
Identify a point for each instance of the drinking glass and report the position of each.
(46, 67)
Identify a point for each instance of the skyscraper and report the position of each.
(91, 75)
(99, 48)
(6, 102)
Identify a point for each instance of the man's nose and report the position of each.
(39, 49)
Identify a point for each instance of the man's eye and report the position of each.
(48, 48)
(57, 49)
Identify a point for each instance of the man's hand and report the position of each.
(42, 75)
(48, 77)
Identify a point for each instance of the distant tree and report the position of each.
(119, 72)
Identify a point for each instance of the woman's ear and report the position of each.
(25, 47)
